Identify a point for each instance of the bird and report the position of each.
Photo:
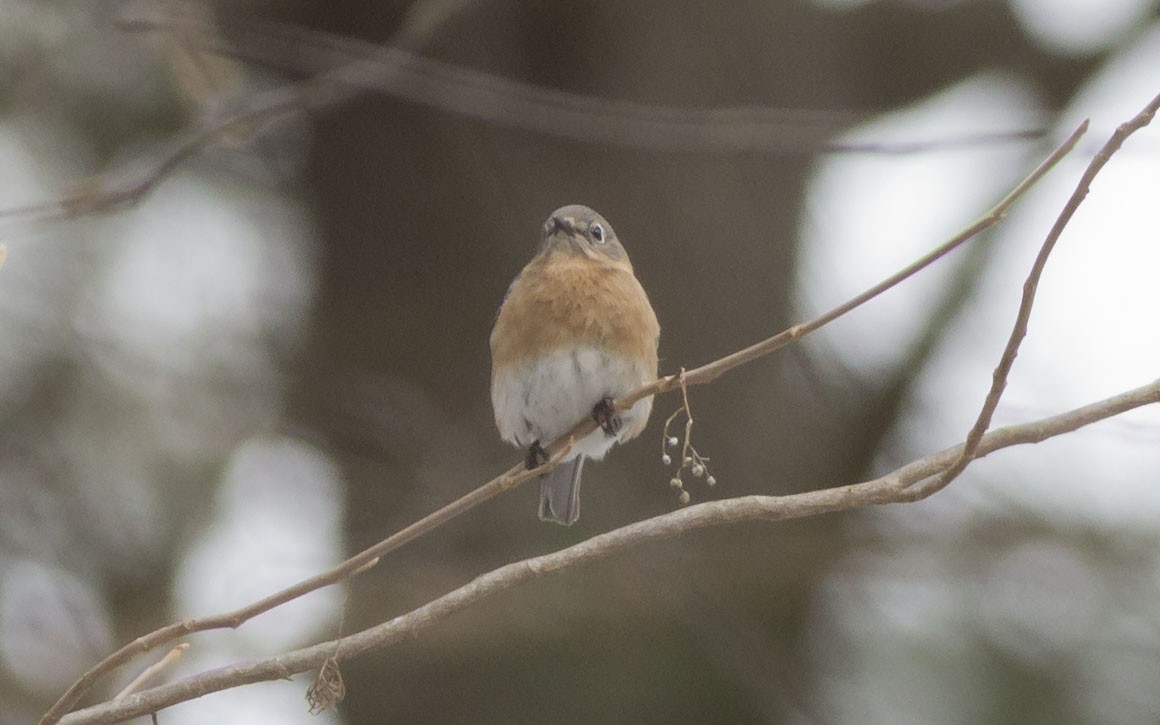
(574, 332)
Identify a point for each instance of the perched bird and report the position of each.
(574, 332)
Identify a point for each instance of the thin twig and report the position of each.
(711, 371)
(1019, 330)
(891, 488)
(152, 671)
(517, 475)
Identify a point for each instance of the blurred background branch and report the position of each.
(195, 43)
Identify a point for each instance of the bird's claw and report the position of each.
(606, 417)
(537, 456)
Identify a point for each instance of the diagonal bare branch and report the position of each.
(1019, 331)
(891, 488)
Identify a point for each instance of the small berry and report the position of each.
(676, 483)
(684, 498)
(711, 481)
(698, 470)
(666, 459)
(688, 461)
(671, 441)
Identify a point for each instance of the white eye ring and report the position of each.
(596, 232)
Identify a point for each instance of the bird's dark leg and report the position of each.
(537, 456)
(606, 417)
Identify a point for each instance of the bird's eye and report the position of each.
(597, 233)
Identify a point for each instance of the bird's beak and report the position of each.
(562, 224)
(565, 226)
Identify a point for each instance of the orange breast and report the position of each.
(565, 301)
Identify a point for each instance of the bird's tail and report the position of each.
(560, 493)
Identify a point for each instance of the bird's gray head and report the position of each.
(576, 229)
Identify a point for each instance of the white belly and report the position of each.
(541, 400)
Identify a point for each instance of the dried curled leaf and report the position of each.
(328, 689)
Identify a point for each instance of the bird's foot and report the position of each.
(537, 456)
(606, 417)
